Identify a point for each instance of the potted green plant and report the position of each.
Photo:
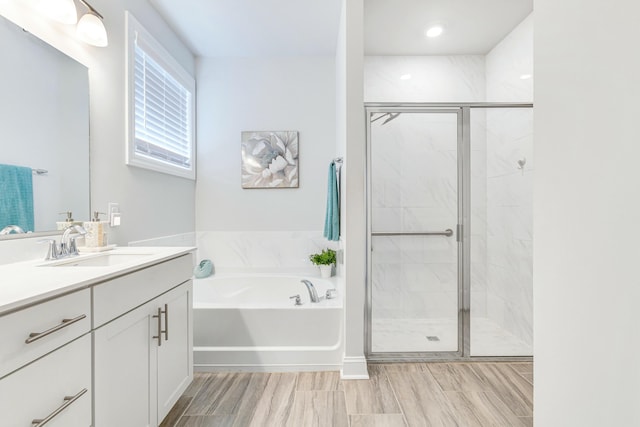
(325, 260)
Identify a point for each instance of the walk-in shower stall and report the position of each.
(449, 231)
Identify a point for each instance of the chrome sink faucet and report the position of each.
(68, 245)
(312, 291)
(9, 228)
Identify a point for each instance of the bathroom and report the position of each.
(257, 83)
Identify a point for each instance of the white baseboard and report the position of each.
(264, 368)
(354, 368)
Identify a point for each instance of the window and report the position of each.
(160, 107)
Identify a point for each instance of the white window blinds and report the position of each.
(161, 109)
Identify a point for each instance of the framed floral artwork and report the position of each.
(270, 159)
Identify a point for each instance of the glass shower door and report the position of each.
(414, 290)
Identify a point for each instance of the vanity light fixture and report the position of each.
(90, 27)
(63, 11)
(434, 31)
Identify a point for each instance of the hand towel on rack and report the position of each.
(16, 197)
(332, 215)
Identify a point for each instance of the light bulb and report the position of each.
(434, 31)
(60, 10)
(91, 30)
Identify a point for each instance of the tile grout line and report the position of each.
(190, 402)
(344, 398)
(182, 414)
(520, 374)
(395, 396)
(499, 395)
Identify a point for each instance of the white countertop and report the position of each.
(29, 282)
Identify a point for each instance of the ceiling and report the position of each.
(213, 28)
(219, 28)
(397, 27)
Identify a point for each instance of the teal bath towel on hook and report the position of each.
(332, 217)
(16, 197)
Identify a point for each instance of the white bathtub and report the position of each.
(249, 323)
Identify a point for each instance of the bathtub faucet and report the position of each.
(312, 291)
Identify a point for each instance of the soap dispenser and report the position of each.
(63, 225)
(95, 237)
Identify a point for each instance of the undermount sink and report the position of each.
(105, 260)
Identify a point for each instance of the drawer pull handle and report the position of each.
(68, 401)
(160, 331)
(34, 336)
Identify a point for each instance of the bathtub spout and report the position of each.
(312, 291)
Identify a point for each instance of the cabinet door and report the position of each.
(175, 355)
(124, 380)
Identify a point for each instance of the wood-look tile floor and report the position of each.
(403, 394)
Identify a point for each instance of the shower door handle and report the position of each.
(448, 233)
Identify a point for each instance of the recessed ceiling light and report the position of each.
(525, 76)
(434, 31)
(405, 77)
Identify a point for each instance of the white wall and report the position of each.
(351, 142)
(263, 94)
(586, 210)
(152, 204)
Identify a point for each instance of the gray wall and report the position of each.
(263, 94)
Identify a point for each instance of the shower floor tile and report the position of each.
(411, 335)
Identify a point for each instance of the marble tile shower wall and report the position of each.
(272, 252)
(510, 221)
(459, 78)
(501, 261)
(415, 187)
(509, 202)
(414, 184)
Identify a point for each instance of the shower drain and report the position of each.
(432, 338)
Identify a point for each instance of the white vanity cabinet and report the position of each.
(96, 343)
(143, 358)
(55, 387)
(46, 363)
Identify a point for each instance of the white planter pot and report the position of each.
(325, 271)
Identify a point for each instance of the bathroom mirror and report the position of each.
(44, 125)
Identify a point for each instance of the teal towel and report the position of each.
(332, 217)
(16, 197)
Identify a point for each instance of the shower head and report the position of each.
(389, 116)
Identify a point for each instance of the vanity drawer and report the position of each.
(118, 296)
(59, 382)
(45, 326)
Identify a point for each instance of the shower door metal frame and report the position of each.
(463, 110)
